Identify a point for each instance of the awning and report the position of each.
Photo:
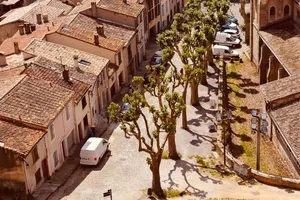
(9, 2)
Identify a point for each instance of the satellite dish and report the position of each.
(265, 124)
(264, 116)
(254, 112)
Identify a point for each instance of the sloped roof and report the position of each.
(131, 8)
(34, 101)
(87, 62)
(55, 76)
(18, 138)
(61, 5)
(8, 82)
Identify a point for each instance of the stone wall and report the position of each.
(12, 178)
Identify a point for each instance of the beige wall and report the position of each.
(80, 114)
(8, 30)
(33, 167)
(59, 126)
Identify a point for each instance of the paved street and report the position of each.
(125, 171)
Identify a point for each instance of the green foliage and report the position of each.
(175, 193)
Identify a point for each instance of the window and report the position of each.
(51, 131)
(272, 12)
(35, 155)
(85, 122)
(67, 112)
(286, 10)
(167, 9)
(55, 158)
(38, 176)
(129, 53)
(162, 10)
(119, 58)
(83, 102)
(141, 17)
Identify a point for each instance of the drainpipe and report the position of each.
(251, 30)
(90, 103)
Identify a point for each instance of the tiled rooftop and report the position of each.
(8, 45)
(288, 118)
(19, 139)
(28, 13)
(7, 83)
(84, 5)
(60, 5)
(84, 28)
(283, 39)
(131, 9)
(55, 76)
(87, 62)
(281, 88)
(34, 101)
(6, 72)
(85, 77)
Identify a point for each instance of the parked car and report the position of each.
(226, 40)
(233, 33)
(125, 109)
(93, 150)
(232, 19)
(224, 51)
(229, 25)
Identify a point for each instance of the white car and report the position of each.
(226, 40)
(224, 51)
(93, 150)
(232, 32)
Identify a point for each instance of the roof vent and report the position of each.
(96, 39)
(16, 46)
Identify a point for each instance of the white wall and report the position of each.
(32, 168)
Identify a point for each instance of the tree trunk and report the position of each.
(184, 117)
(210, 56)
(194, 94)
(156, 186)
(204, 73)
(172, 146)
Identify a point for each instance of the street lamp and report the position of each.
(224, 118)
(256, 123)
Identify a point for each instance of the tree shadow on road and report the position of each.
(200, 138)
(187, 168)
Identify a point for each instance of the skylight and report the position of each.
(84, 62)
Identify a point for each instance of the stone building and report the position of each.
(275, 50)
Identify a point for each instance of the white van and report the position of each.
(93, 150)
(224, 51)
(226, 39)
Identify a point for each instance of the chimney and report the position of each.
(27, 28)
(65, 74)
(75, 57)
(39, 18)
(2, 59)
(16, 46)
(32, 27)
(100, 29)
(94, 9)
(45, 18)
(96, 39)
(21, 29)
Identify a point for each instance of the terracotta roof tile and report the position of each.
(35, 102)
(7, 83)
(288, 118)
(84, 77)
(84, 28)
(28, 13)
(83, 5)
(95, 64)
(18, 138)
(55, 76)
(61, 5)
(281, 88)
(131, 8)
(283, 39)
(8, 45)
(10, 71)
